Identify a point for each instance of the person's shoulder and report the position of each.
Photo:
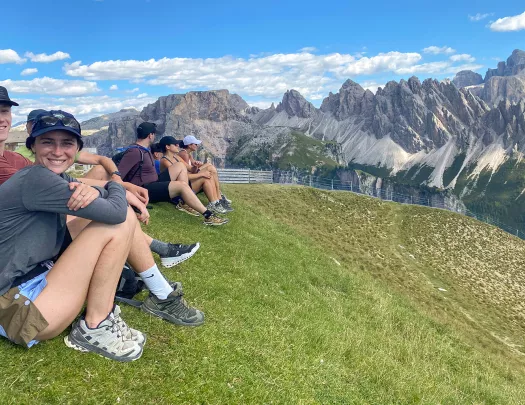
(16, 156)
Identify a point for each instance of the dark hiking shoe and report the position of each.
(174, 309)
(226, 205)
(223, 197)
(178, 253)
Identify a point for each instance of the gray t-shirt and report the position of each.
(33, 209)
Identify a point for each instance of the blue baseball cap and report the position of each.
(33, 114)
(55, 120)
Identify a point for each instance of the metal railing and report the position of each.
(245, 176)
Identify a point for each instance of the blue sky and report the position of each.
(92, 57)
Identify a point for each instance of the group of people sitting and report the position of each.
(64, 241)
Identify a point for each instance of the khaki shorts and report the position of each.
(20, 318)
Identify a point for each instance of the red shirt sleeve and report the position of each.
(10, 163)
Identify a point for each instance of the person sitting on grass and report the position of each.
(191, 144)
(10, 162)
(164, 301)
(138, 166)
(39, 298)
(171, 164)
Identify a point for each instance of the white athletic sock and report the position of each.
(156, 283)
(214, 202)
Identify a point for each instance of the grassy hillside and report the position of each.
(314, 297)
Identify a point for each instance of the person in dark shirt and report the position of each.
(138, 167)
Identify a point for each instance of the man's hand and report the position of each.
(143, 214)
(82, 196)
(205, 174)
(197, 163)
(139, 192)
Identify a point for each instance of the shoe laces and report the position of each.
(123, 327)
(178, 302)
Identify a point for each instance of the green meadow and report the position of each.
(313, 297)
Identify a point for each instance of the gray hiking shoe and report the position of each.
(178, 253)
(106, 340)
(216, 208)
(127, 332)
(214, 220)
(174, 309)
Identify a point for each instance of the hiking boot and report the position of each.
(107, 340)
(174, 309)
(127, 332)
(223, 197)
(178, 253)
(226, 205)
(214, 220)
(187, 209)
(216, 208)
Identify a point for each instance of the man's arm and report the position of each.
(86, 158)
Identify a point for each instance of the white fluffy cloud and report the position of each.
(44, 58)
(29, 72)
(268, 76)
(10, 56)
(113, 87)
(463, 57)
(371, 85)
(47, 85)
(81, 107)
(479, 16)
(436, 50)
(514, 23)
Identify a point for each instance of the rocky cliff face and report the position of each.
(506, 82)
(215, 117)
(467, 78)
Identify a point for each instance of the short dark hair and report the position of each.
(156, 148)
(146, 128)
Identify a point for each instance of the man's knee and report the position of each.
(97, 173)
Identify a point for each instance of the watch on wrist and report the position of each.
(116, 172)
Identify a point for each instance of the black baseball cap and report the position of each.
(146, 128)
(4, 97)
(35, 113)
(168, 140)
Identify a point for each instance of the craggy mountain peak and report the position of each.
(515, 65)
(466, 78)
(294, 104)
(350, 100)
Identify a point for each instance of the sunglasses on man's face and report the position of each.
(53, 119)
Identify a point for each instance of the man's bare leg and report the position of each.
(97, 173)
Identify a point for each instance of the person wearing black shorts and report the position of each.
(137, 166)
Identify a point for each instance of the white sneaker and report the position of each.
(106, 340)
(127, 332)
